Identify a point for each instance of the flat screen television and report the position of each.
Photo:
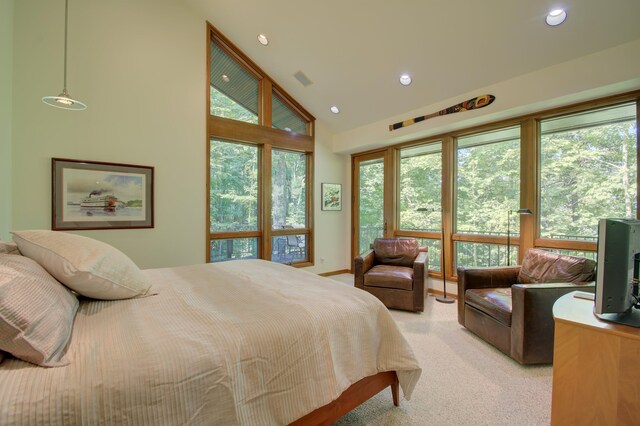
(616, 296)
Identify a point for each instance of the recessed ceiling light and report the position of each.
(225, 78)
(334, 109)
(556, 17)
(263, 39)
(405, 79)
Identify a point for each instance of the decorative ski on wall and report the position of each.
(474, 103)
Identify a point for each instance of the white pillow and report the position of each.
(87, 266)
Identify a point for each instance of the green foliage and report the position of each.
(288, 189)
(585, 175)
(487, 187)
(421, 188)
(233, 193)
(134, 203)
(371, 214)
(223, 106)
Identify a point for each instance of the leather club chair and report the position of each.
(393, 271)
(511, 307)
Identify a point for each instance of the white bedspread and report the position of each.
(245, 342)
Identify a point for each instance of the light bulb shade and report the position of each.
(64, 101)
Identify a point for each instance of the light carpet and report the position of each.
(465, 381)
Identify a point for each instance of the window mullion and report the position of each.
(266, 170)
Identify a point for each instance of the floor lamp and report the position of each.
(519, 211)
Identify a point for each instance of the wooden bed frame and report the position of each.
(355, 395)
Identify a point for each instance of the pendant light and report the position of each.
(64, 100)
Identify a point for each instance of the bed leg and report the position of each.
(395, 393)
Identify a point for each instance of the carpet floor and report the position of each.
(465, 381)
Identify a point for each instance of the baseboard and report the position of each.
(441, 293)
(341, 271)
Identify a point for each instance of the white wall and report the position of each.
(141, 69)
(332, 238)
(612, 71)
(6, 83)
(140, 66)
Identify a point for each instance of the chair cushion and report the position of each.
(495, 302)
(398, 277)
(396, 251)
(542, 266)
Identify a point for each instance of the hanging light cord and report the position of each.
(66, 21)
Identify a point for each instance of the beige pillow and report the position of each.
(36, 312)
(87, 266)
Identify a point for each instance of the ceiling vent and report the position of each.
(303, 79)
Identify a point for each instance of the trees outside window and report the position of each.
(420, 198)
(588, 171)
(487, 188)
(288, 205)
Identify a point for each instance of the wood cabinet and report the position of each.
(596, 368)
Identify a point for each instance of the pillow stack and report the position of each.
(36, 311)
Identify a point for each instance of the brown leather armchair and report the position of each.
(394, 272)
(511, 307)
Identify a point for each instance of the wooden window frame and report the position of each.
(529, 182)
(267, 139)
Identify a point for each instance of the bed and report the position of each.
(244, 342)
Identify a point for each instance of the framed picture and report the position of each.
(95, 195)
(331, 196)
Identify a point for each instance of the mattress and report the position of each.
(245, 342)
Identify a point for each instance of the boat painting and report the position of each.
(99, 195)
(97, 199)
(93, 195)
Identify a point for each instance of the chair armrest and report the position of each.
(487, 277)
(362, 264)
(532, 325)
(420, 265)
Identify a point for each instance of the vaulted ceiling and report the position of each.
(355, 50)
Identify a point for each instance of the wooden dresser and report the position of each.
(596, 368)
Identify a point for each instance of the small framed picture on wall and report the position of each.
(331, 196)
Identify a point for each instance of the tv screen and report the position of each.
(617, 273)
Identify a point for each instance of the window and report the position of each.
(233, 89)
(371, 206)
(488, 182)
(233, 249)
(288, 190)
(234, 187)
(233, 200)
(570, 169)
(471, 254)
(588, 171)
(259, 179)
(288, 206)
(285, 118)
(487, 194)
(420, 198)
(421, 188)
